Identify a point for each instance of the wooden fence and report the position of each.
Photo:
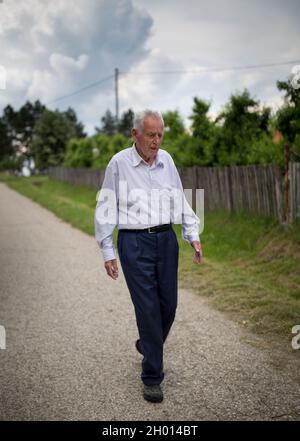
(294, 193)
(78, 176)
(257, 189)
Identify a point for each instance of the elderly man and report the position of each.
(135, 180)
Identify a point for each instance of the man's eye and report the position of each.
(152, 135)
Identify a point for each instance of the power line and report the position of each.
(199, 71)
(213, 69)
(81, 90)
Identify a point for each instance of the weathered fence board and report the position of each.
(294, 192)
(78, 176)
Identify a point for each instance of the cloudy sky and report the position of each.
(52, 48)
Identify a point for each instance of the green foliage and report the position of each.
(242, 124)
(17, 127)
(265, 151)
(106, 146)
(182, 150)
(52, 133)
(108, 124)
(79, 153)
(126, 123)
(203, 131)
(119, 142)
(201, 125)
(110, 127)
(288, 116)
(78, 126)
(189, 149)
(33, 132)
(12, 163)
(174, 126)
(6, 146)
(240, 135)
(95, 151)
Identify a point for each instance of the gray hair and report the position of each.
(139, 118)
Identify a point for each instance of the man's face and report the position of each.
(149, 139)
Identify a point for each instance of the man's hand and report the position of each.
(112, 268)
(198, 251)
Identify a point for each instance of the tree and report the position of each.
(126, 123)
(9, 122)
(104, 147)
(288, 116)
(26, 119)
(265, 151)
(79, 153)
(6, 147)
(17, 129)
(202, 131)
(51, 135)
(108, 126)
(79, 127)
(174, 126)
(183, 151)
(177, 141)
(240, 125)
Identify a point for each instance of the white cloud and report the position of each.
(63, 64)
(67, 44)
(2, 78)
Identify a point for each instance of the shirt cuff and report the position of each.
(108, 254)
(193, 237)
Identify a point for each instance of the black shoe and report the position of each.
(153, 393)
(138, 346)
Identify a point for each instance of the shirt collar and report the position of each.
(136, 158)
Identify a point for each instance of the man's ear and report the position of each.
(133, 132)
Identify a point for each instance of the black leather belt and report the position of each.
(156, 229)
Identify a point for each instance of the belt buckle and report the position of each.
(149, 230)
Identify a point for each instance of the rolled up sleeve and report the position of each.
(190, 221)
(106, 213)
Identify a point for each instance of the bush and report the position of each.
(265, 151)
(79, 153)
(107, 146)
(11, 163)
(95, 151)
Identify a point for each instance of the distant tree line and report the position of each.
(244, 132)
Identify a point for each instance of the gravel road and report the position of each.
(70, 333)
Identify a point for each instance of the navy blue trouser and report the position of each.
(150, 264)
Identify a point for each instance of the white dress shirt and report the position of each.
(131, 197)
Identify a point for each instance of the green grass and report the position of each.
(251, 270)
(251, 265)
(75, 205)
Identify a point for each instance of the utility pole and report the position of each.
(117, 93)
